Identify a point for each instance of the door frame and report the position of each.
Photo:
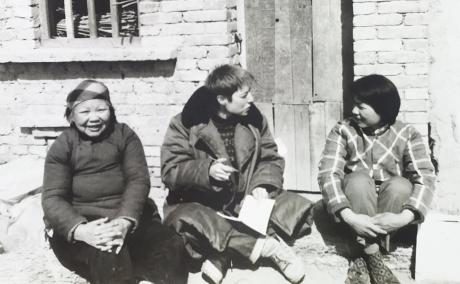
(328, 70)
(331, 50)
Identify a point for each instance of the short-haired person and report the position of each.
(216, 151)
(99, 220)
(375, 174)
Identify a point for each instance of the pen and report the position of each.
(221, 160)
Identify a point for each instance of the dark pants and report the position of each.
(153, 252)
(205, 232)
(361, 191)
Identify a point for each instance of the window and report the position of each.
(74, 19)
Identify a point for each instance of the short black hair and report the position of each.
(380, 93)
(226, 79)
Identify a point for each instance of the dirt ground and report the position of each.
(39, 265)
(34, 262)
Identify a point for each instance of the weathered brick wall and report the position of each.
(391, 38)
(145, 94)
(19, 24)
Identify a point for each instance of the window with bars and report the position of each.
(89, 18)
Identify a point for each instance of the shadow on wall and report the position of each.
(347, 55)
(93, 69)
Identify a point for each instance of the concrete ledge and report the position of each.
(87, 54)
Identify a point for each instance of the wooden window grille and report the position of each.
(89, 18)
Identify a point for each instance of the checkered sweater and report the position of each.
(397, 150)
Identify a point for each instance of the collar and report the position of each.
(200, 108)
(375, 132)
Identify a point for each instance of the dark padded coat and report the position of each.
(86, 179)
(192, 142)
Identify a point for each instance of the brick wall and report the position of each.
(19, 24)
(391, 38)
(146, 94)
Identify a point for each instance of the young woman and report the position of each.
(218, 150)
(375, 174)
(100, 223)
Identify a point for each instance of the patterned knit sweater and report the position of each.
(396, 150)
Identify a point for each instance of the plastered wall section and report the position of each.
(444, 85)
(146, 94)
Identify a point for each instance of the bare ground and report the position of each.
(39, 265)
(36, 263)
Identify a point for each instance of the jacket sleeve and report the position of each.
(270, 166)
(180, 169)
(57, 189)
(420, 172)
(136, 177)
(331, 171)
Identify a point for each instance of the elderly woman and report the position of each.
(100, 222)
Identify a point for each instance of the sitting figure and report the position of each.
(100, 222)
(216, 152)
(375, 174)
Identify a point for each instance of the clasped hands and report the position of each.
(380, 224)
(103, 234)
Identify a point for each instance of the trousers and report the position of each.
(361, 191)
(205, 232)
(152, 252)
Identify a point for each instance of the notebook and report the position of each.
(255, 213)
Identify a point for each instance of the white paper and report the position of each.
(254, 213)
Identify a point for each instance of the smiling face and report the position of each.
(239, 104)
(365, 115)
(91, 117)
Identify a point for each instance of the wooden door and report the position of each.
(279, 52)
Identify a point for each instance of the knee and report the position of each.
(358, 179)
(358, 184)
(187, 211)
(197, 216)
(397, 187)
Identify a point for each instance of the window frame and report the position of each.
(47, 17)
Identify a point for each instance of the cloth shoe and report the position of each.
(285, 259)
(378, 271)
(215, 268)
(358, 273)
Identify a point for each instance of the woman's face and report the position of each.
(91, 117)
(365, 115)
(240, 103)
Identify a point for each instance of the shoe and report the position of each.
(215, 267)
(378, 271)
(358, 273)
(211, 272)
(284, 258)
